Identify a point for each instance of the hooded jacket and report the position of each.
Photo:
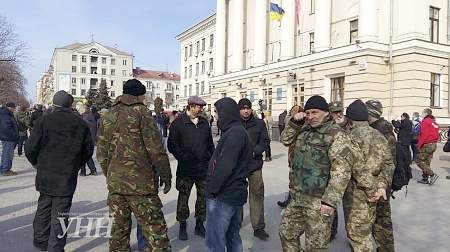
(8, 126)
(429, 131)
(259, 138)
(228, 168)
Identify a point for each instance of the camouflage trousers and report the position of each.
(148, 213)
(359, 217)
(298, 220)
(424, 157)
(382, 228)
(184, 186)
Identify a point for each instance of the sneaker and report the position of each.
(9, 173)
(433, 179)
(261, 234)
(423, 181)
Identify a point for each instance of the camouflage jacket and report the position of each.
(371, 158)
(129, 146)
(321, 163)
(386, 129)
(23, 122)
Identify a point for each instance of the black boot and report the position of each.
(283, 204)
(183, 233)
(93, 173)
(261, 234)
(424, 180)
(200, 229)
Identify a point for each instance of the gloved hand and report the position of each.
(167, 184)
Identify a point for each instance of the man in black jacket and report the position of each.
(9, 135)
(259, 139)
(36, 114)
(190, 141)
(226, 186)
(59, 145)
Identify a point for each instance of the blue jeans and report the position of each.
(7, 155)
(142, 242)
(222, 227)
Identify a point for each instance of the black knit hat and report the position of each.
(244, 102)
(357, 111)
(316, 102)
(62, 99)
(134, 87)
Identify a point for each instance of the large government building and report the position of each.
(393, 51)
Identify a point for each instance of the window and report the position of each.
(103, 60)
(190, 71)
(198, 48)
(158, 95)
(298, 94)
(203, 44)
(353, 31)
(83, 81)
(124, 62)
(185, 72)
(211, 40)
(435, 90)
(177, 97)
(434, 24)
(74, 57)
(83, 69)
(185, 52)
(311, 42)
(337, 89)
(268, 98)
(196, 89)
(197, 68)
(202, 88)
(168, 86)
(211, 64)
(190, 89)
(74, 69)
(185, 91)
(313, 7)
(83, 92)
(103, 71)
(176, 87)
(93, 70)
(124, 72)
(113, 94)
(203, 67)
(148, 84)
(190, 50)
(157, 85)
(94, 59)
(113, 61)
(243, 94)
(83, 59)
(113, 71)
(112, 83)
(74, 80)
(74, 91)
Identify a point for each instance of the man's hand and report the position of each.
(380, 193)
(167, 185)
(326, 210)
(299, 116)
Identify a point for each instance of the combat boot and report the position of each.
(200, 229)
(261, 234)
(182, 235)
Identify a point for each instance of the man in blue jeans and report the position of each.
(226, 182)
(9, 135)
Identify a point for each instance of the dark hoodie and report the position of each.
(228, 168)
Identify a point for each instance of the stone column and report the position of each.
(288, 30)
(237, 31)
(260, 26)
(322, 25)
(368, 20)
(413, 19)
(220, 37)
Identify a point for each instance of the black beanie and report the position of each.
(62, 99)
(357, 111)
(134, 87)
(244, 102)
(316, 102)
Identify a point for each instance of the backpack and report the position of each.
(415, 129)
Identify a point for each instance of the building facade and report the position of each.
(78, 67)
(393, 51)
(165, 85)
(197, 61)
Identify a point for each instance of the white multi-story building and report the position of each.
(394, 51)
(197, 60)
(78, 67)
(165, 85)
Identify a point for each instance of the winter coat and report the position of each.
(404, 131)
(59, 145)
(92, 122)
(34, 116)
(192, 145)
(8, 126)
(259, 139)
(228, 168)
(429, 131)
(23, 122)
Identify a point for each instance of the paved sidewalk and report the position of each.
(421, 220)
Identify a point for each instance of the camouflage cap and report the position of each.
(375, 108)
(336, 107)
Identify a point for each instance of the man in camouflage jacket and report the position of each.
(128, 147)
(322, 161)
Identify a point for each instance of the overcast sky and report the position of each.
(145, 28)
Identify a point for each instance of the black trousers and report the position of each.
(91, 165)
(46, 224)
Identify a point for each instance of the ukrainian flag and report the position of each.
(276, 12)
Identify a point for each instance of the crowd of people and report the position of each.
(357, 159)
